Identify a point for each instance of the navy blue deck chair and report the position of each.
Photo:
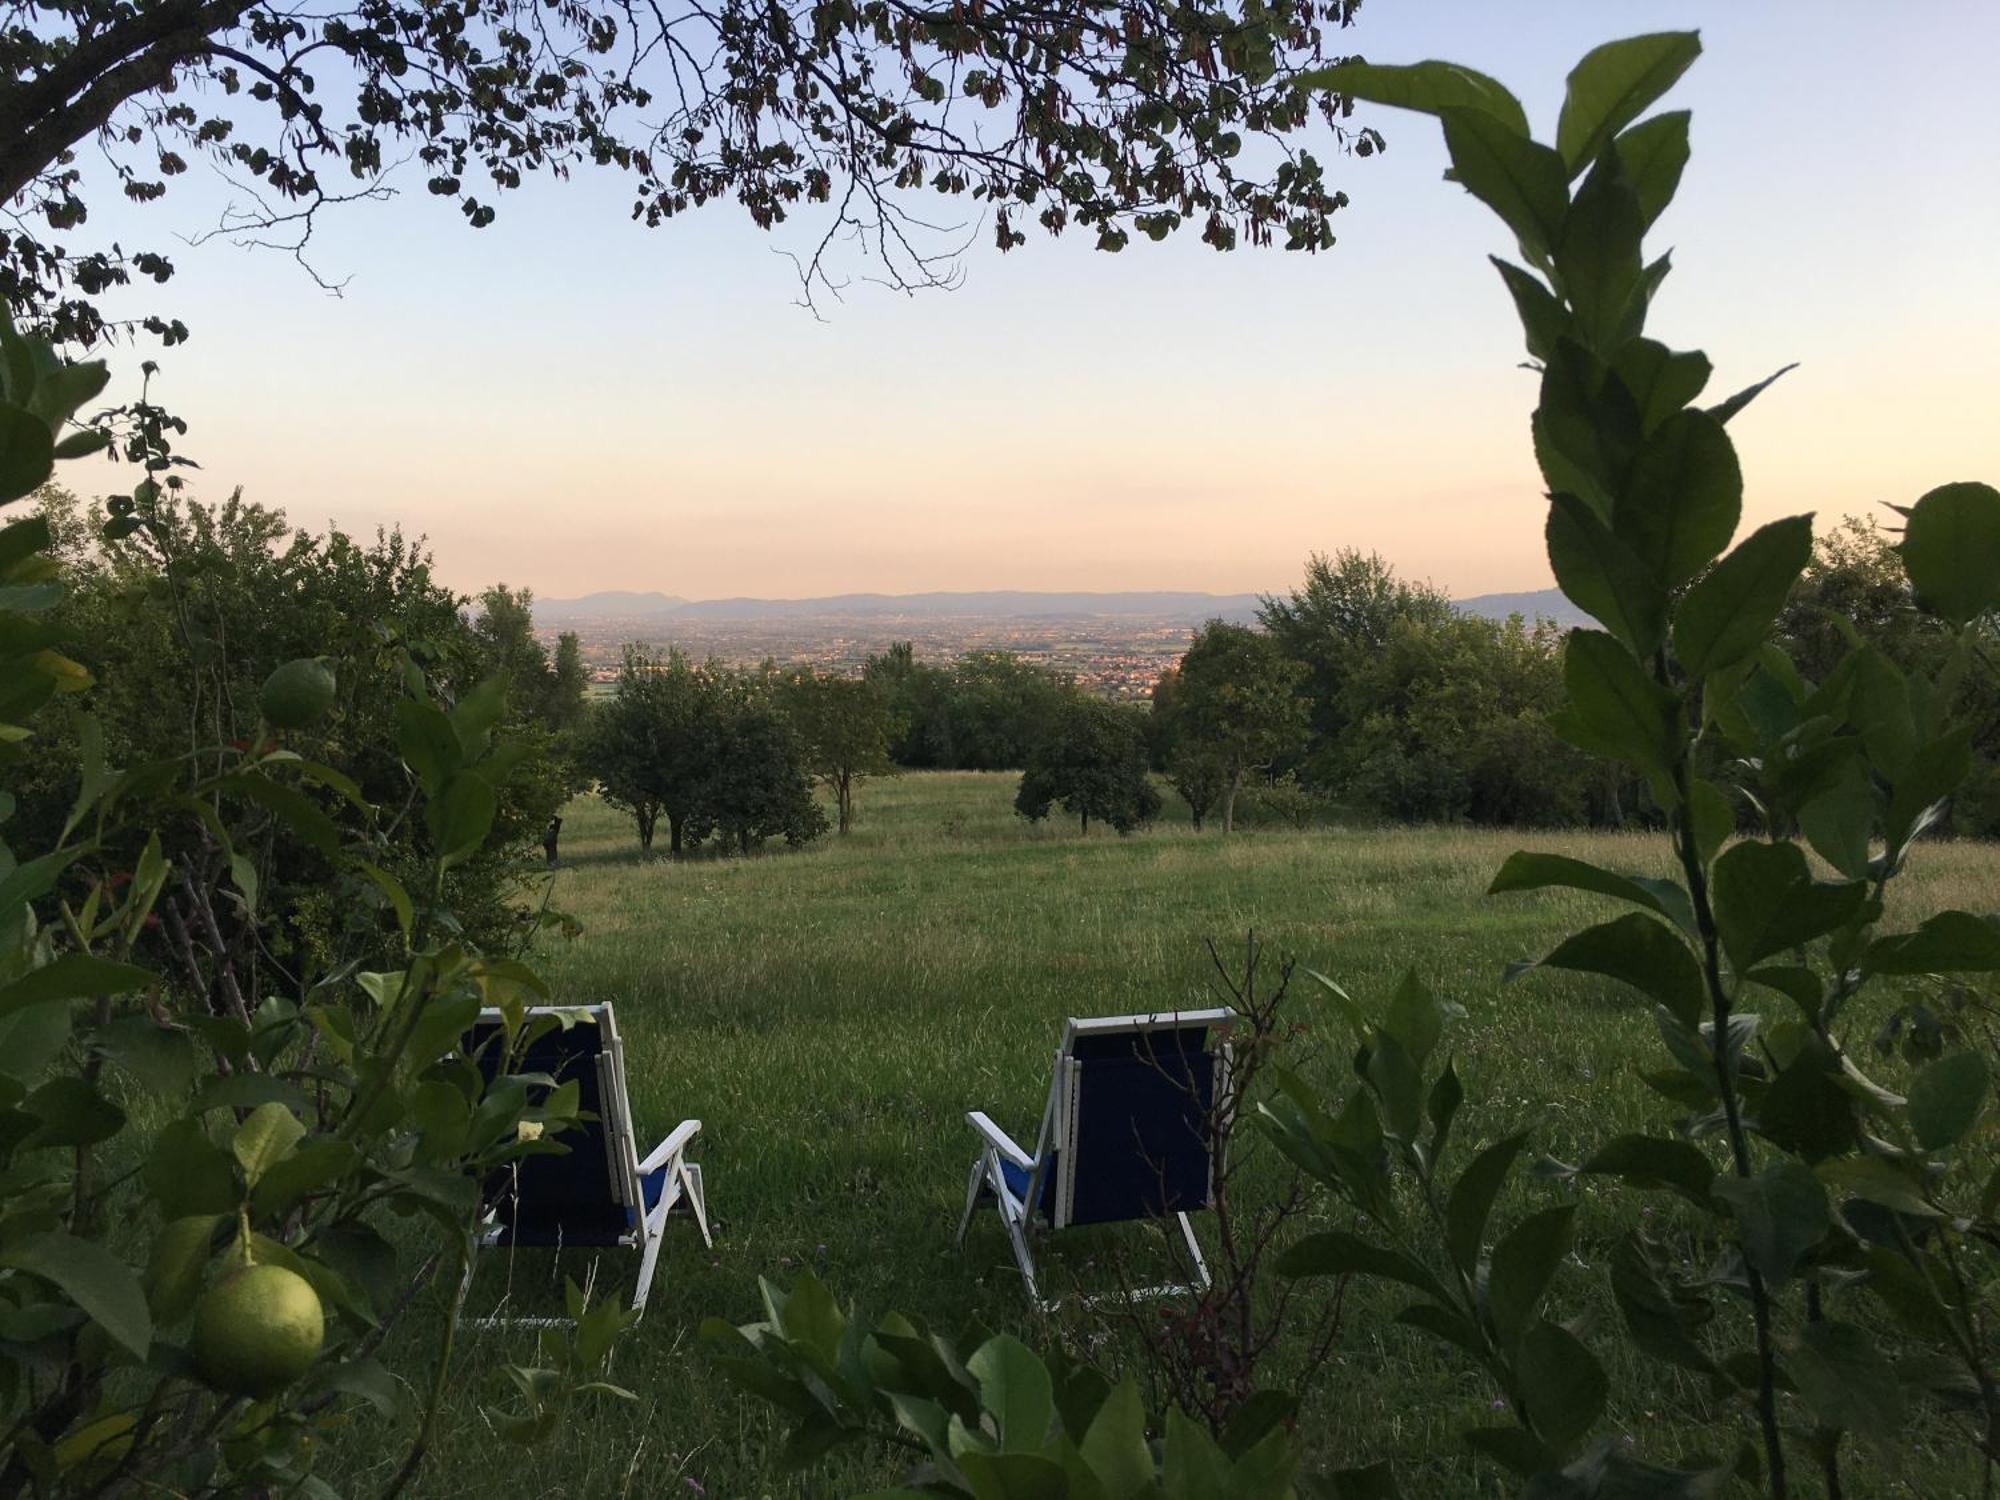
(601, 1192)
(1128, 1133)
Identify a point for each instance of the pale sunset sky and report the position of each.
(569, 401)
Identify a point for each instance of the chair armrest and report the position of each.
(998, 1139)
(672, 1146)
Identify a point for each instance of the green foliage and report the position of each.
(485, 96)
(986, 712)
(710, 750)
(843, 726)
(215, 1160)
(1834, 1197)
(1239, 702)
(1093, 761)
(984, 1413)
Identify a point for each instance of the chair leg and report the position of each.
(649, 1260)
(1194, 1251)
(1023, 1257)
(971, 1199)
(690, 1175)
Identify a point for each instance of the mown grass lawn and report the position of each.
(831, 1014)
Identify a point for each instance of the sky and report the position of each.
(569, 401)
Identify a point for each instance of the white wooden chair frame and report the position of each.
(624, 1168)
(1058, 1131)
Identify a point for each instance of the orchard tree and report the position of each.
(1115, 120)
(843, 729)
(1242, 703)
(1337, 620)
(1093, 762)
(757, 786)
(652, 746)
(1194, 771)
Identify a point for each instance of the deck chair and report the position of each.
(1128, 1133)
(601, 1192)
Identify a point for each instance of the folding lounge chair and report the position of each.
(1128, 1133)
(600, 1193)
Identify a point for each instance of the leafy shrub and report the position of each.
(171, 1116)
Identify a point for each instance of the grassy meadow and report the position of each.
(831, 1014)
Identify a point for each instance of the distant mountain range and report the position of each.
(1540, 604)
(1005, 604)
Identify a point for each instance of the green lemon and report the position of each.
(257, 1330)
(298, 693)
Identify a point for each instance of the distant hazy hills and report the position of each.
(1542, 604)
(1003, 604)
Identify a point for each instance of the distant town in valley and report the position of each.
(1115, 644)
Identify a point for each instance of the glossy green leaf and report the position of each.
(1523, 1264)
(1014, 1386)
(1662, 381)
(1562, 1385)
(181, 1252)
(1427, 87)
(1655, 153)
(1766, 901)
(1338, 1253)
(1470, 1202)
(1650, 1162)
(1722, 411)
(460, 819)
(1840, 1372)
(1637, 950)
(425, 740)
(94, 1279)
(1598, 258)
(1614, 84)
(1874, 1180)
(1780, 1214)
(1526, 871)
(1684, 498)
(1951, 550)
(1952, 942)
(264, 1139)
(1946, 1097)
(1544, 320)
(1520, 180)
(74, 976)
(1730, 612)
(27, 453)
(187, 1174)
(1115, 1448)
(1603, 577)
(1415, 1018)
(71, 1113)
(1614, 707)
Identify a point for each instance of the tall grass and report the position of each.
(831, 1014)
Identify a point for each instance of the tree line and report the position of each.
(1362, 694)
(732, 755)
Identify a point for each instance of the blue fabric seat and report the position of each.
(591, 1190)
(1129, 1132)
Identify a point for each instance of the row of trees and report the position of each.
(732, 754)
(1361, 691)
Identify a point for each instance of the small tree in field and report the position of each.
(843, 729)
(1241, 704)
(652, 747)
(1094, 764)
(757, 786)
